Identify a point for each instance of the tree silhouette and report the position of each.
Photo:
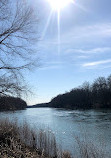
(18, 28)
(95, 95)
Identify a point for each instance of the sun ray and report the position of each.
(80, 6)
(57, 5)
(58, 23)
(47, 24)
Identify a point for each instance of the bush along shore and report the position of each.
(24, 142)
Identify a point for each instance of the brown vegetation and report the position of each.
(21, 142)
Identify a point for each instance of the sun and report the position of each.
(59, 4)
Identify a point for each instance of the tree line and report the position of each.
(12, 103)
(95, 95)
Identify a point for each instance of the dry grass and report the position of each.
(88, 150)
(22, 141)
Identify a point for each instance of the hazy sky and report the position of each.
(81, 53)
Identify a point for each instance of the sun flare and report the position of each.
(59, 4)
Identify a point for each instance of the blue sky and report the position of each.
(83, 52)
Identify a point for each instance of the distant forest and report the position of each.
(87, 96)
(11, 103)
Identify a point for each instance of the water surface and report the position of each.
(92, 126)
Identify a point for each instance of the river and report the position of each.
(91, 126)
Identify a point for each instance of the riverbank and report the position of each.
(23, 142)
(11, 144)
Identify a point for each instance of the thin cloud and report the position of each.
(96, 63)
(91, 51)
(87, 32)
(52, 65)
(82, 57)
(95, 50)
(80, 34)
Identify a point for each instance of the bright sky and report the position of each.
(81, 52)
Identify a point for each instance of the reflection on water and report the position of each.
(90, 125)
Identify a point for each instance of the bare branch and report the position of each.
(18, 26)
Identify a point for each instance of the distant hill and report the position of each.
(12, 103)
(39, 105)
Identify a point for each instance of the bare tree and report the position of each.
(18, 33)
